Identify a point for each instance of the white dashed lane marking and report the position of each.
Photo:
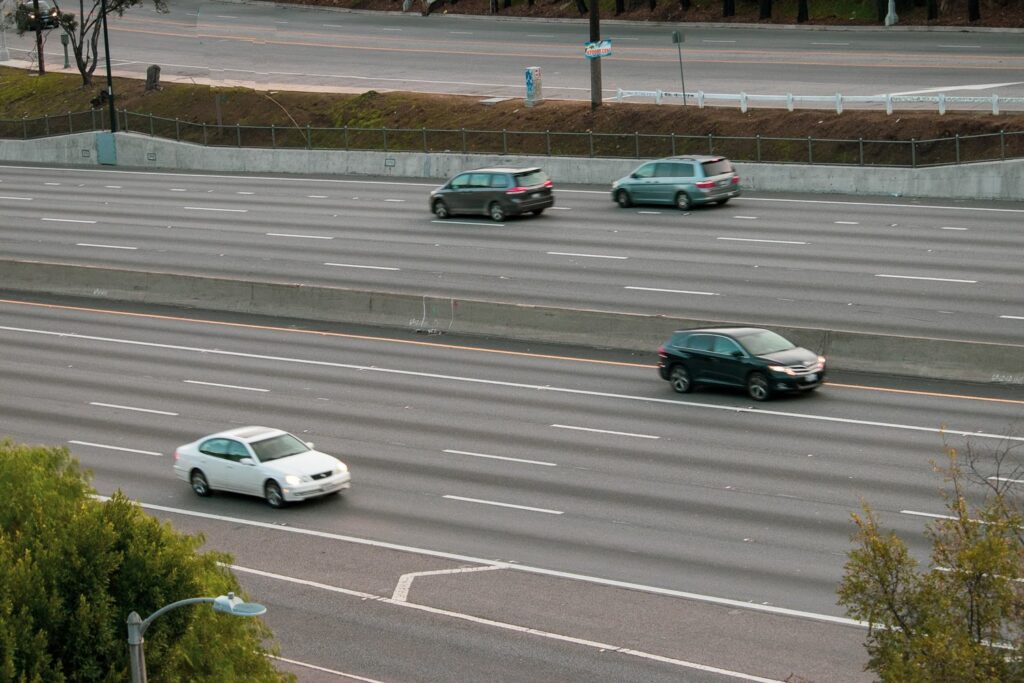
(504, 505)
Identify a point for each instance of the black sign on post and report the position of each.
(677, 38)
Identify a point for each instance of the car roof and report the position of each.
(694, 157)
(504, 169)
(247, 434)
(731, 331)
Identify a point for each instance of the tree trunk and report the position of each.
(766, 9)
(883, 10)
(684, 4)
(802, 13)
(508, 3)
(933, 10)
(728, 8)
(973, 10)
(581, 7)
(620, 7)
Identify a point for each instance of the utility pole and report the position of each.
(595, 64)
(39, 37)
(110, 78)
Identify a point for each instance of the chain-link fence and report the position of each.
(957, 149)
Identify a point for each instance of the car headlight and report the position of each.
(340, 468)
(821, 361)
(781, 368)
(292, 480)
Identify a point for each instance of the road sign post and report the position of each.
(677, 38)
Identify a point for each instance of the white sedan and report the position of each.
(260, 461)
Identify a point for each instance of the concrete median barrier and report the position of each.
(911, 356)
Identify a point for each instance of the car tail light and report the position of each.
(177, 456)
(548, 184)
(516, 190)
(706, 184)
(735, 180)
(662, 352)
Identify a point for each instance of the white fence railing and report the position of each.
(941, 100)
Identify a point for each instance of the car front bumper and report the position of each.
(322, 487)
(787, 384)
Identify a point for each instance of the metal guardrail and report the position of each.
(941, 100)
(913, 153)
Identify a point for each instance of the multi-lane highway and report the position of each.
(891, 265)
(294, 47)
(591, 503)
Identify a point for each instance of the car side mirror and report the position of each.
(633, 175)
(737, 354)
(247, 461)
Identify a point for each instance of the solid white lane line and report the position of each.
(513, 385)
(650, 213)
(565, 253)
(214, 208)
(606, 431)
(316, 196)
(525, 630)
(112, 187)
(1007, 479)
(971, 47)
(352, 265)
(451, 222)
(846, 223)
(68, 220)
(405, 580)
(746, 218)
(529, 569)
(559, 208)
(504, 505)
(178, 189)
(114, 448)
(224, 386)
(932, 279)
(394, 200)
(749, 239)
(950, 227)
(307, 237)
(672, 291)
(881, 204)
(718, 41)
(18, 199)
(245, 193)
(104, 246)
(1012, 317)
(314, 667)
(137, 410)
(930, 515)
(500, 457)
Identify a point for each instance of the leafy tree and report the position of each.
(802, 13)
(73, 568)
(973, 10)
(962, 618)
(85, 28)
(728, 8)
(766, 9)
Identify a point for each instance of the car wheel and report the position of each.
(441, 209)
(757, 386)
(496, 213)
(199, 484)
(683, 202)
(623, 200)
(537, 212)
(272, 494)
(680, 379)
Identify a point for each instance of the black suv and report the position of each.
(494, 192)
(48, 17)
(761, 361)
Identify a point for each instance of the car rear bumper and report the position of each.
(716, 195)
(527, 204)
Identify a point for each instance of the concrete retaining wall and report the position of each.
(920, 357)
(995, 180)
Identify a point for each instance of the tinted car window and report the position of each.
(700, 342)
(645, 171)
(480, 180)
(460, 181)
(531, 179)
(674, 169)
(761, 343)
(499, 180)
(218, 447)
(726, 346)
(278, 447)
(717, 167)
(236, 451)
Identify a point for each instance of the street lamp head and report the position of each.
(232, 604)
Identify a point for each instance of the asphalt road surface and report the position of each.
(889, 265)
(292, 47)
(607, 528)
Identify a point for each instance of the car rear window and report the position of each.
(531, 179)
(717, 167)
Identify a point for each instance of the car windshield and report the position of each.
(765, 342)
(717, 167)
(278, 447)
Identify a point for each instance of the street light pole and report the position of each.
(595, 64)
(110, 78)
(229, 604)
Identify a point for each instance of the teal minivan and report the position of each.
(683, 181)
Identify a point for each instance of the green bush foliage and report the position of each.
(73, 567)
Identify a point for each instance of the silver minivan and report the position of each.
(683, 181)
